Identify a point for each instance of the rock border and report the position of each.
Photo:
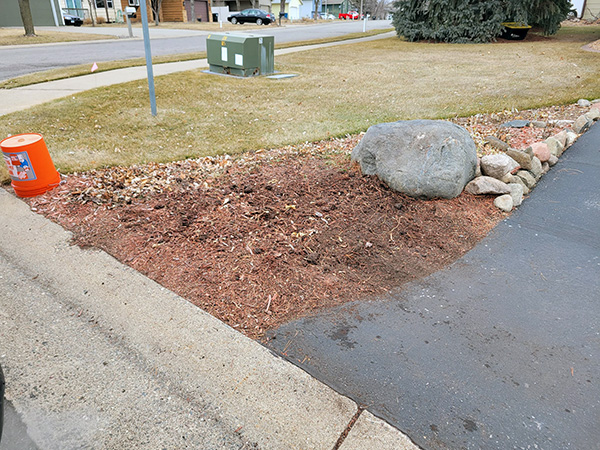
(511, 174)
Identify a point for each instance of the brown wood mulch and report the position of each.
(269, 236)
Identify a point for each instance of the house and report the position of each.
(170, 11)
(44, 12)
(591, 10)
(292, 8)
(337, 7)
(240, 5)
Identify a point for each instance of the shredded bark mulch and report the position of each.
(270, 236)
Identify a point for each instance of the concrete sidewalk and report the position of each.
(98, 356)
(12, 100)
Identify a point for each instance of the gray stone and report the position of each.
(508, 178)
(582, 124)
(571, 137)
(421, 158)
(553, 160)
(561, 137)
(504, 202)
(521, 157)
(527, 178)
(518, 180)
(554, 146)
(486, 185)
(593, 114)
(496, 143)
(538, 124)
(497, 165)
(545, 168)
(536, 168)
(515, 124)
(584, 103)
(478, 168)
(516, 192)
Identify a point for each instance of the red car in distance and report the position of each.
(350, 15)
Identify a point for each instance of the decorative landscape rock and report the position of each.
(519, 180)
(582, 124)
(421, 158)
(541, 150)
(527, 178)
(536, 168)
(545, 168)
(486, 185)
(553, 160)
(593, 114)
(497, 165)
(504, 202)
(554, 147)
(538, 124)
(516, 192)
(521, 157)
(515, 124)
(562, 137)
(584, 103)
(508, 178)
(570, 138)
(497, 143)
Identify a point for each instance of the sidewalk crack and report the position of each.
(346, 431)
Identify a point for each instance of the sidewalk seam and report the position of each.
(348, 428)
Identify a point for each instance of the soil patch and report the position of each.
(273, 235)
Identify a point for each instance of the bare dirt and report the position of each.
(273, 235)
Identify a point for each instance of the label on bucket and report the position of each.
(19, 166)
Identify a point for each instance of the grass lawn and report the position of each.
(339, 90)
(16, 36)
(84, 69)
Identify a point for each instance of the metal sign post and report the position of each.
(144, 13)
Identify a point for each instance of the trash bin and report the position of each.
(29, 164)
(243, 55)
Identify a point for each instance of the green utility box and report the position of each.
(244, 55)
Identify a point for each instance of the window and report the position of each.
(100, 3)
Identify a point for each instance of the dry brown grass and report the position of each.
(16, 36)
(84, 69)
(340, 90)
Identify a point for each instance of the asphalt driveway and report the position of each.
(502, 349)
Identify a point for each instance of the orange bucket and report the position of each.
(29, 164)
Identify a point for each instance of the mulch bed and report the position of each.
(270, 236)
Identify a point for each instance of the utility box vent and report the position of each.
(244, 55)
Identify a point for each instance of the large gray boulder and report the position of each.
(420, 158)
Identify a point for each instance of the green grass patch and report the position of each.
(15, 36)
(339, 90)
(84, 69)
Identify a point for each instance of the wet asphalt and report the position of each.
(500, 350)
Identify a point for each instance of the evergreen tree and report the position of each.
(473, 20)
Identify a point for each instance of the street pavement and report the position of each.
(98, 356)
(12, 100)
(501, 350)
(26, 59)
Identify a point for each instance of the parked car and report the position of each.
(350, 15)
(326, 16)
(72, 20)
(258, 16)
